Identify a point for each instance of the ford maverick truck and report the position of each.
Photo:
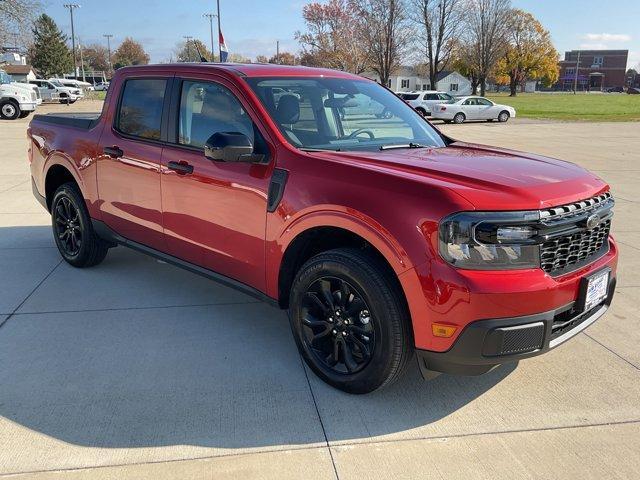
(385, 239)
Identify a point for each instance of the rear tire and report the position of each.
(349, 321)
(422, 111)
(9, 110)
(459, 118)
(72, 229)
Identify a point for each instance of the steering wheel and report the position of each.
(357, 132)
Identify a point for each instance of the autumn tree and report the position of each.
(49, 53)
(238, 58)
(262, 59)
(188, 51)
(333, 37)
(464, 61)
(129, 52)
(284, 58)
(96, 57)
(486, 34)
(386, 34)
(529, 52)
(437, 24)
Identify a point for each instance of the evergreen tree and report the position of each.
(49, 53)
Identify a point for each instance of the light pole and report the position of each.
(71, 7)
(219, 44)
(108, 36)
(84, 78)
(211, 16)
(575, 79)
(187, 40)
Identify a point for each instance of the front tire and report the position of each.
(459, 118)
(10, 110)
(72, 229)
(504, 116)
(350, 321)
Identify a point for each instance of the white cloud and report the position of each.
(594, 46)
(607, 37)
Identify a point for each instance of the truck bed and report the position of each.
(83, 120)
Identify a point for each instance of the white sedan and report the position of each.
(472, 108)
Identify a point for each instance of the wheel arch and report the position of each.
(56, 174)
(316, 233)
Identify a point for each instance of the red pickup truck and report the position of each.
(325, 194)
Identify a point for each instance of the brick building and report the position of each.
(596, 69)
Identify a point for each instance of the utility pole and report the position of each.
(575, 80)
(108, 36)
(84, 79)
(187, 39)
(211, 16)
(219, 45)
(71, 7)
(278, 52)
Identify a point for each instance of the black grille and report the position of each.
(569, 319)
(570, 244)
(562, 252)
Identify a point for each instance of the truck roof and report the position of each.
(246, 69)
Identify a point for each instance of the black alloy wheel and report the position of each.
(349, 320)
(338, 326)
(67, 226)
(72, 229)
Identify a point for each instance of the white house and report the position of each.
(406, 79)
(20, 73)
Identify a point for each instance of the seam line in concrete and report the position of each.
(251, 302)
(315, 404)
(346, 444)
(612, 351)
(31, 293)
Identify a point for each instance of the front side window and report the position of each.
(207, 108)
(140, 110)
(341, 114)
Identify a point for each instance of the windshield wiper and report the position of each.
(320, 149)
(403, 145)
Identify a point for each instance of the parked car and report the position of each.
(101, 87)
(472, 108)
(614, 90)
(69, 91)
(382, 238)
(424, 101)
(17, 100)
(48, 91)
(633, 91)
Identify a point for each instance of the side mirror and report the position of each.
(230, 147)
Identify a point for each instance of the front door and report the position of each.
(214, 213)
(129, 169)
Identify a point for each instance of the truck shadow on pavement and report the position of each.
(137, 353)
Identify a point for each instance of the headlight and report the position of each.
(490, 240)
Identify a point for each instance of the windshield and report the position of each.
(57, 83)
(342, 114)
(5, 78)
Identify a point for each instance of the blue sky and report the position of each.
(252, 27)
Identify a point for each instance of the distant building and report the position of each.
(12, 58)
(594, 70)
(20, 73)
(408, 79)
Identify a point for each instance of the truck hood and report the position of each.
(489, 178)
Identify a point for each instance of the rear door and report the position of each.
(214, 213)
(129, 169)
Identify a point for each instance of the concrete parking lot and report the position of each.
(136, 369)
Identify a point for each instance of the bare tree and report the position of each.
(486, 31)
(437, 23)
(386, 33)
(16, 19)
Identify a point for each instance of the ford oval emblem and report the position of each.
(593, 221)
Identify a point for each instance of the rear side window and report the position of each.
(140, 111)
(432, 96)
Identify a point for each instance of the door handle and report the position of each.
(113, 152)
(183, 168)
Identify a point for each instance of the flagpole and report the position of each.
(219, 44)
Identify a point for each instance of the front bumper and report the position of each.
(28, 106)
(486, 344)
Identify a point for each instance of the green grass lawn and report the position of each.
(580, 107)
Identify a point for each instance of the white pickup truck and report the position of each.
(17, 100)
